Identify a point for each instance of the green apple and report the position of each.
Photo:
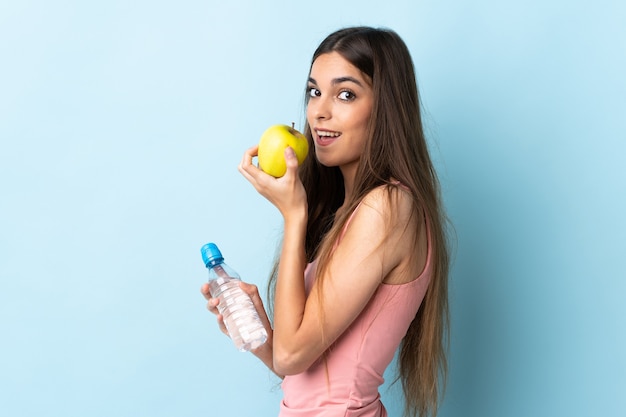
(272, 147)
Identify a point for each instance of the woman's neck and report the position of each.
(349, 174)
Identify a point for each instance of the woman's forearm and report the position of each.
(290, 296)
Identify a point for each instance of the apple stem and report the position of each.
(293, 125)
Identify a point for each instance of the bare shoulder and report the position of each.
(393, 203)
(402, 224)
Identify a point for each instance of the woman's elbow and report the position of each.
(289, 362)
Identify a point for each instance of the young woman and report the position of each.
(363, 264)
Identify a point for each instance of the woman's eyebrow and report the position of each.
(340, 80)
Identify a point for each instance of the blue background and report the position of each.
(121, 126)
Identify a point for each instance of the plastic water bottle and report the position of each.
(240, 317)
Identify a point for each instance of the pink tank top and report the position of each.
(357, 361)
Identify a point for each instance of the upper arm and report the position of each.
(366, 254)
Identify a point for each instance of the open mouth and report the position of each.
(326, 137)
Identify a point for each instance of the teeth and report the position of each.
(328, 134)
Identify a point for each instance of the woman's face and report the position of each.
(340, 104)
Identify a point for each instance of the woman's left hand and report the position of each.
(286, 193)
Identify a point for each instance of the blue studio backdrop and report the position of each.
(121, 127)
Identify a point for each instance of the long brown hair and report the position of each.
(396, 149)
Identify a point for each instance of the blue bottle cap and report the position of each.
(211, 255)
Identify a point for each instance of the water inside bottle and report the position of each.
(240, 316)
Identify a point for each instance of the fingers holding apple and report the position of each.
(272, 145)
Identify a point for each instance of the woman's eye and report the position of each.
(346, 95)
(314, 92)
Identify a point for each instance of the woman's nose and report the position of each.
(320, 108)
